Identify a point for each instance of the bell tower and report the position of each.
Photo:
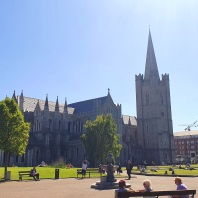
(154, 117)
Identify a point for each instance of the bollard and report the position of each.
(56, 173)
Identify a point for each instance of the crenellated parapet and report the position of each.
(139, 77)
(165, 77)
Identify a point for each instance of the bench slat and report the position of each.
(23, 173)
(157, 193)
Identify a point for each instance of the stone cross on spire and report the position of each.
(151, 69)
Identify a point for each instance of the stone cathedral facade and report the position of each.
(56, 128)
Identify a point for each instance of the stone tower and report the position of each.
(154, 119)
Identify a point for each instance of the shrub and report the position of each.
(59, 163)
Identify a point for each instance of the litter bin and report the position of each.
(8, 175)
(57, 173)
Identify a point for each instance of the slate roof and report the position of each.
(186, 133)
(30, 104)
(129, 120)
(87, 105)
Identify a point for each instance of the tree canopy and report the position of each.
(101, 137)
(14, 131)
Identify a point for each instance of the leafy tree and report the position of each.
(101, 137)
(14, 131)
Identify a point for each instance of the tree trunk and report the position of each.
(6, 164)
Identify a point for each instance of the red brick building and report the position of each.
(186, 146)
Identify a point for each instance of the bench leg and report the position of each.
(20, 177)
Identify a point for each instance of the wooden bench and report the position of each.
(24, 173)
(89, 172)
(157, 193)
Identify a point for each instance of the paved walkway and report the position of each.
(66, 188)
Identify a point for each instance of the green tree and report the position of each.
(101, 137)
(14, 131)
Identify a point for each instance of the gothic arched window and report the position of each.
(162, 98)
(76, 153)
(59, 125)
(23, 158)
(50, 125)
(69, 127)
(147, 98)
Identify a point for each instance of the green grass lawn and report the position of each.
(49, 172)
(161, 169)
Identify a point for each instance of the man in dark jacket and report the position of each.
(129, 167)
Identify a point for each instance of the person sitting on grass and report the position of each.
(122, 188)
(34, 174)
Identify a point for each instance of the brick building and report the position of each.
(186, 146)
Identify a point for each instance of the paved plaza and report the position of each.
(65, 188)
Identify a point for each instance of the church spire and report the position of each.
(14, 97)
(46, 103)
(151, 69)
(65, 106)
(57, 105)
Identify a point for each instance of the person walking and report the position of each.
(129, 167)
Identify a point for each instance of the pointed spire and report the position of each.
(21, 102)
(65, 106)
(46, 102)
(151, 69)
(108, 91)
(38, 105)
(57, 105)
(14, 96)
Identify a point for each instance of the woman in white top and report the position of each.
(84, 168)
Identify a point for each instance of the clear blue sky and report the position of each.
(79, 48)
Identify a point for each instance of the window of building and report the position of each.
(59, 125)
(50, 125)
(69, 127)
(162, 98)
(162, 114)
(23, 158)
(77, 153)
(17, 158)
(147, 98)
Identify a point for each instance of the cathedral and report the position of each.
(56, 128)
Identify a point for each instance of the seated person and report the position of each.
(180, 186)
(42, 164)
(122, 188)
(34, 174)
(147, 186)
